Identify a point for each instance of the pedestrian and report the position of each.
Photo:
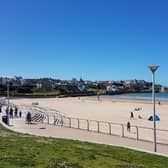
(7, 110)
(20, 114)
(139, 116)
(11, 112)
(0, 108)
(28, 118)
(128, 126)
(132, 115)
(16, 111)
(159, 103)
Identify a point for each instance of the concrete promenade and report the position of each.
(19, 125)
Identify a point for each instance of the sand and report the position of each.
(115, 111)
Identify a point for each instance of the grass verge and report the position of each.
(26, 151)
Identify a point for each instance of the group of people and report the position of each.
(13, 112)
(132, 117)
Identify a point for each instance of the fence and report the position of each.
(136, 132)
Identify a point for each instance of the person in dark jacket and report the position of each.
(128, 126)
(20, 114)
(11, 112)
(16, 111)
(28, 118)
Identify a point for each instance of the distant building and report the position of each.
(17, 81)
(164, 89)
(112, 88)
(134, 84)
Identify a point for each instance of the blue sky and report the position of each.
(95, 39)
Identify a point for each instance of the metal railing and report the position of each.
(110, 128)
(103, 127)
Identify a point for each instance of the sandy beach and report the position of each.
(114, 110)
(108, 110)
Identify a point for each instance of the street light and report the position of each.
(8, 103)
(153, 70)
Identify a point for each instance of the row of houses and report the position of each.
(129, 86)
(83, 85)
(45, 83)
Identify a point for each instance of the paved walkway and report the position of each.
(40, 129)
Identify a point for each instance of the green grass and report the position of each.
(46, 93)
(26, 151)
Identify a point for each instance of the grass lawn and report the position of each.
(26, 151)
(46, 93)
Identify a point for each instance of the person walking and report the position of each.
(132, 115)
(16, 111)
(0, 108)
(28, 118)
(20, 114)
(11, 112)
(128, 126)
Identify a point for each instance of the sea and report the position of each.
(138, 96)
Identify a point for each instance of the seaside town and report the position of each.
(83, 84)
(49, 86)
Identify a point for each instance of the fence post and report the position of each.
(109, 128)
(78, 124)
(62, 122)
(137, 133)
(98, 126)
(88, 125)
(48, 120)
(54, 120)
(69, 122)
(122, 130)
(42, 118)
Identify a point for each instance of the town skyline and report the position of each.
(42, 86)
(72, 78)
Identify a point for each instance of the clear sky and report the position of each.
(95, 39)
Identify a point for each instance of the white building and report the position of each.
(112, 88)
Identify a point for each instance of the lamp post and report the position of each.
(8, 103)
(153, 70)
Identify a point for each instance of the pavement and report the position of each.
(49, 130)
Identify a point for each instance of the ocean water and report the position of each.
(141, 96)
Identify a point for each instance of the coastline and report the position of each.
(124, 100)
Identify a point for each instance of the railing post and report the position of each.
(137, 133)
(109, 128)
(78, 124)
(88, 125)
(98, 126)
(42, 118)
(69, 122)
(54, 120)
(62, 122)
(48, 120)
(122, 130)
